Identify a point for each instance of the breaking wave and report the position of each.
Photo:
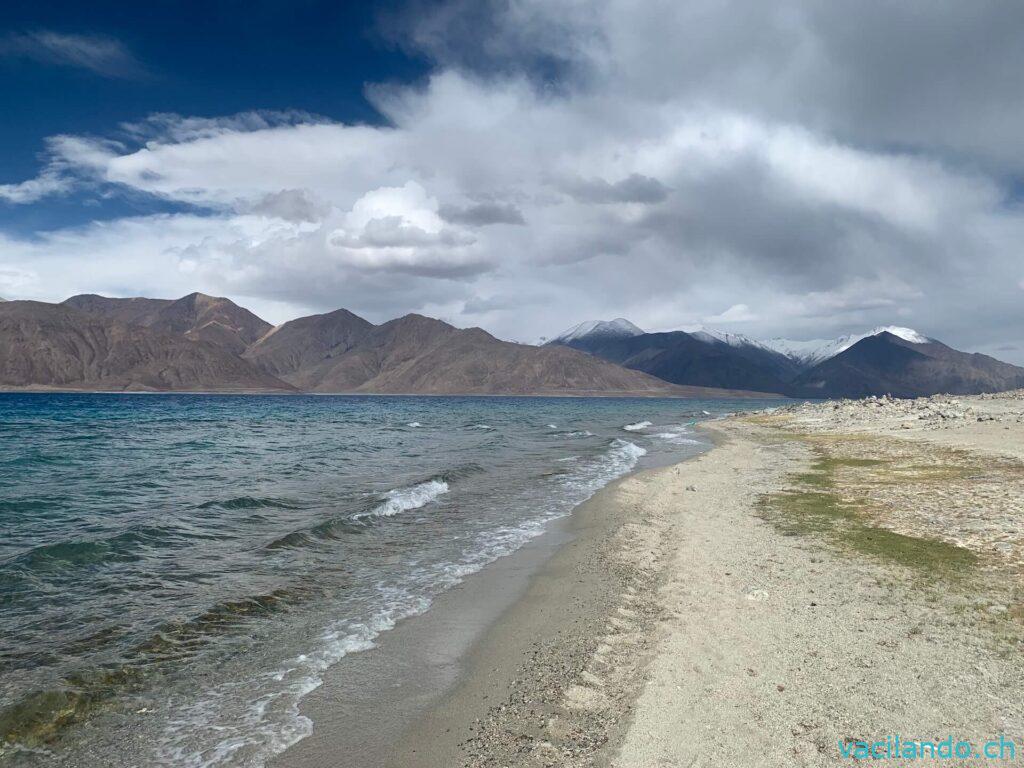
(639, 426)
(405, 499)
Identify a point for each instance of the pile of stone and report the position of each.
(935, 412)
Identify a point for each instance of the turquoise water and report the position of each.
(177, 572)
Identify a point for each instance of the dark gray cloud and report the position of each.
(295, 205)
(481, 214)
(900, 73)
(635, 188)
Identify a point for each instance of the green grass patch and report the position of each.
(823, 470)
(803, 512)
(928, 555)
(935, 473)
(814, 507)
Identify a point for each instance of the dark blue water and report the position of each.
(176, 572)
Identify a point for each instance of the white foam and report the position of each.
(640, 425)
(552, 426)
(414, 424)
(595, 473)
(481, 426)
(404, 499)
(677, 438)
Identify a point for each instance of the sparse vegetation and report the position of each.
(817, 504)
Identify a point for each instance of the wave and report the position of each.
(405, 499)
(677, 438)
(68, 553)
(34, 458)
(30, 721)
(640, 425)
(388, 504)
(481, 426)
(329, 530)
(626, 452)
(249, 502)
(678, 434)
(594, 473)
(26, 506)
(122, 548)
(414, 424)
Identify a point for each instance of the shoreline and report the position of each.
(697, 393)
(435, 672)
(702, 621)
(554, 625)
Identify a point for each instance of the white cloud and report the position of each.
(104, 56)
(661, 182)
(47, 183)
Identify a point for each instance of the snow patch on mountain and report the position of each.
(816, 351)
(617, 328)
(713, 336)
(805, 353)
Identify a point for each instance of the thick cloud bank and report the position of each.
(799, 169)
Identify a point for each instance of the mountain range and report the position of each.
(206, 343)
(885, 360)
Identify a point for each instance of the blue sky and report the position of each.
(192, 58)
(792, 169)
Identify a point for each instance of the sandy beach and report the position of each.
(827, 575)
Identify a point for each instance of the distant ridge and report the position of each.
(208, 343)
(817, 351)
(887, 363)
(885, 360)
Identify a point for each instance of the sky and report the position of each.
(797, 168)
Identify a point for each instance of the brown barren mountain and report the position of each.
(197, 316)
(51, 346)
(308, 342)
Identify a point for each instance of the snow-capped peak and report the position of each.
(617, 328)
(724, 337)
(816, 351)
(907, 334)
